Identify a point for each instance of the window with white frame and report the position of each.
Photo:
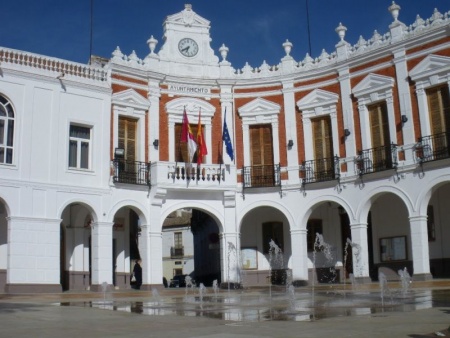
(6, 131)
(79, 146)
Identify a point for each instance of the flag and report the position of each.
(226, 138)
(188, 137)
(202, 150)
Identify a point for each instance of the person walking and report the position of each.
(137, 274)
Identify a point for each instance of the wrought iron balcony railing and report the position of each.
(131, 172)
(320, 170)
(376, 159)
(258, 176)
(176, 251)
(433, 147)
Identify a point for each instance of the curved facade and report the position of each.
(341, 160)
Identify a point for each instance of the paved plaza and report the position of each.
(125, 314)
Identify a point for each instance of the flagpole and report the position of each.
(179, 141)
(234, 140)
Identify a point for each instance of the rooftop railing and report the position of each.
(15, 57)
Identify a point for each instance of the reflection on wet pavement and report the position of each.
(255, 307)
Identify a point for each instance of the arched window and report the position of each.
(6, 131)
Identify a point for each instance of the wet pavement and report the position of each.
(332, 311)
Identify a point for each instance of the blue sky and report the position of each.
(253, 30)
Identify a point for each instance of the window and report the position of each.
(439, 107)
(178, 239)
(263, 173)
(313, 227)
(323, 146)
(127, 137)
(79, 147)
(6, 131)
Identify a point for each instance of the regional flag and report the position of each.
(188, 137)
(202, 150)
(226, 138)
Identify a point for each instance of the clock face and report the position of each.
(188, 47)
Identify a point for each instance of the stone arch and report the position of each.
(85, 203)
(214, 213)
(423, 199)
(272, 204)
(6, 205)
(132, 204)
(323, 199)
(364, 206)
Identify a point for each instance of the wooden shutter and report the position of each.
(261, 145)
(261, 149)
(379, 125)
(181, 152)
(439, 109)
(322, 138)
(128, 137)
(322, 143)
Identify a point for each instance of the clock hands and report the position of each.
(185, 49)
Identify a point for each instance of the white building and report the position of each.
(353, 145)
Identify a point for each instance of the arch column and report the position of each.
(360, 256)
(230, 259)
(419, 247)
(150, 248)
(101, 246)
(299, 257)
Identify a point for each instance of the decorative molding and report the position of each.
(130, 98)
(373, 83)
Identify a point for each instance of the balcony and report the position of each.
(262, 176)
(176, 251)
(376, 159)
(320, 170)
(131, 172)
(433, 147)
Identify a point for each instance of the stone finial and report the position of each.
(395, 10)
(224, 52)
(152, 42)
(287, 47)
(188, 7)
(117, 54)
(340, 30)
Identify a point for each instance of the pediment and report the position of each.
(373, 83)
(130, 98)
(176, 108)
(187, 17)
(318, 98)
(430, 66)
(259, 106)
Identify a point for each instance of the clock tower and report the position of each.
(186, 49)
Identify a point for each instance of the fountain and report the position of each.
(189, 284)
(215, 286)
(384, 288)
(405, 280)
(357, 265)
(276, 304)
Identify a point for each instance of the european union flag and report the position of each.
(226, 138)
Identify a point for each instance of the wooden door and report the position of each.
(261, 150)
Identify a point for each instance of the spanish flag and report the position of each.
(201, 150)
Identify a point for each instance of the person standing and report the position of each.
(137, 273)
